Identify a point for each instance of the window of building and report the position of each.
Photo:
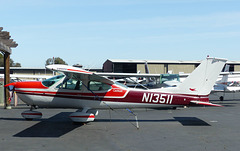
(125, 68)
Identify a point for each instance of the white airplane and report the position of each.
(228, 83)
(84, 90)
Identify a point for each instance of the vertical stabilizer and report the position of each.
(146, 67)
(202, 79)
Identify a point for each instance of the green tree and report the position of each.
(57, 60)
(12, 64)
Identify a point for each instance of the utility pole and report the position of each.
(6, 80)
(5, 47)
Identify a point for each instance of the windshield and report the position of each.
(49, 82)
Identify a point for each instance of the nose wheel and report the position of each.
(30, 114)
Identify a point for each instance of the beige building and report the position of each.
(157, 66)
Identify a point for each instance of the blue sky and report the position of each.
(90, 32)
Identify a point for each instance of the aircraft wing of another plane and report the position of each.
(78, 73)
(127, 74)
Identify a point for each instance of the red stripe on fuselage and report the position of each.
(159, 98)
(31, 113)
(28, 85)
(114, 92)
(68, 94)
(91, 116)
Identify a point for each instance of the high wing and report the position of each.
(78, 73)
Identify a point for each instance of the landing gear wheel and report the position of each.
(30, 115)
(221, 98)
(82, 117)
(28, 119)
(78, 123)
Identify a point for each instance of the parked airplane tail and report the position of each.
(202, 79)
(224, 79)
(148, 79)
(146, 68)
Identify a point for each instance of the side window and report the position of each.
(98, 86)
(71, 84)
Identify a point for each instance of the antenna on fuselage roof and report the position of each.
(91, 91)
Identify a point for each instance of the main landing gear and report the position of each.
(30, 114)
(83, 116)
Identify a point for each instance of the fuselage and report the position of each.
(60, 92)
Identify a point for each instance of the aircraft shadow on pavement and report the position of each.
(132, 120)
(55, 126)
(185, 121)
(60, 125)
(191, 121)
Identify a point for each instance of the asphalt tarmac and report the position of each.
(183, 129)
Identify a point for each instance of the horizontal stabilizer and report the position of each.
(205, 103)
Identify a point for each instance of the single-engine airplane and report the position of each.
(89, 92)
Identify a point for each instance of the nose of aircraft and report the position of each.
(10, 86)
(26, 84)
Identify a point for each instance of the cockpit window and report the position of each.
(49, 82)
(98, 86)
(71, 84)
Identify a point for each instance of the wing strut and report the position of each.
(137, 126)
(92, 92)
(138, 83)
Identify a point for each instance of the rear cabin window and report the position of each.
(71, 84)
(98, 86)
(49, 82)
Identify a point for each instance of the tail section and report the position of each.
(148, 79)
(202, 79)
(146, 68)
(227, 68)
